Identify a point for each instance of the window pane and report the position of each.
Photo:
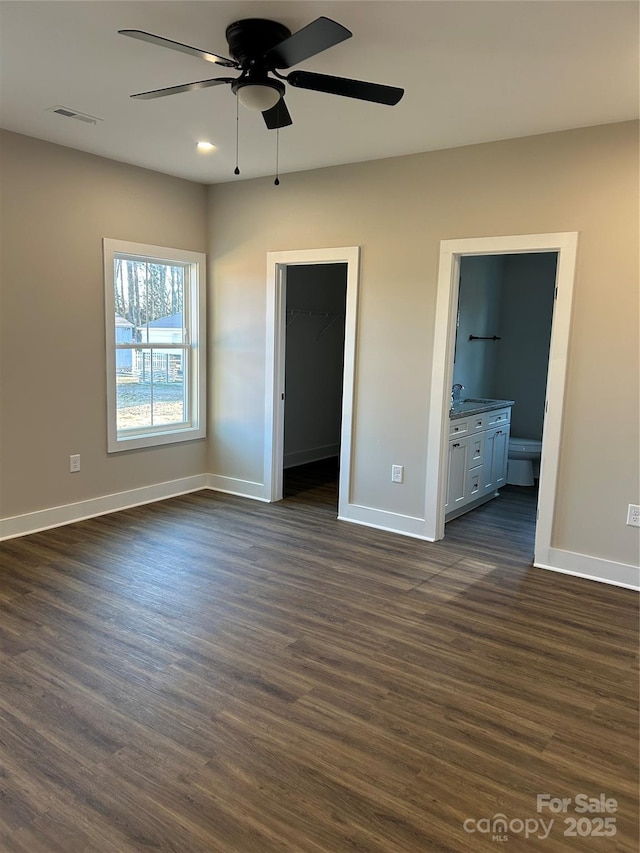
(166, 297)
(150, 388)
(133, 395)
(148, 301)
(165, 330)
(169, 403)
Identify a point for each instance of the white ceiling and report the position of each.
(473, 70)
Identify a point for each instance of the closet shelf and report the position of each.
(294, 314)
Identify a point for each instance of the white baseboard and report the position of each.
(44, 519)
(233, 486)
(592, 568)
(393, 522)
(556, 560)
(314, 454)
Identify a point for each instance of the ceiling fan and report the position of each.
(259, 48)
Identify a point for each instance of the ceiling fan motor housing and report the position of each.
(250, 39)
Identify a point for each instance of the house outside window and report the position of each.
(155, 334)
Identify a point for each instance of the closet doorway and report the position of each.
(310, 355)
(313, 367)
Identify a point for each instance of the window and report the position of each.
(155, 333)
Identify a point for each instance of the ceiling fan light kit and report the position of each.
(259, 48)
(258, 96)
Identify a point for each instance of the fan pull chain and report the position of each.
(236, 171)
(277, 180)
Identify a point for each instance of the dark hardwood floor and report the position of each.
(213, 674)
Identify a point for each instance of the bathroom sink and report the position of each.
(469, 403)
(463, 406)
(474, 405)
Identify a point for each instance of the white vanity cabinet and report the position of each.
(457, 474)
(477, 459)
(497, 450)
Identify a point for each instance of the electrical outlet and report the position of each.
(74, 463)
(633, 515)
(397, 473)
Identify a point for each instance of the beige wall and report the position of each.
(56, 206)
(398, 211)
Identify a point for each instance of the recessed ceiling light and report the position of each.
(205, 146)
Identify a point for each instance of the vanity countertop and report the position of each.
(471, 406)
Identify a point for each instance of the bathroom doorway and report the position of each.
(453, 252)
(501, 353)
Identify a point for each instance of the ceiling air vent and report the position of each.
(67, 112)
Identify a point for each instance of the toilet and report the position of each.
(524, 461)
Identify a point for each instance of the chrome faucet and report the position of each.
(455, 393)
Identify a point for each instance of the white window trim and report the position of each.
(195, 428)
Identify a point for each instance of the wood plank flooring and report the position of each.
(215, 675)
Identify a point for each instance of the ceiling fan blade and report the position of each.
(277, 116)
(375, 92)
(176, 45)
(187, 87)
(314, 38)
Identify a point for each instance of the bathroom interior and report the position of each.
(505, 310)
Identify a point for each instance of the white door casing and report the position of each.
(565, 245)
(277, 263)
